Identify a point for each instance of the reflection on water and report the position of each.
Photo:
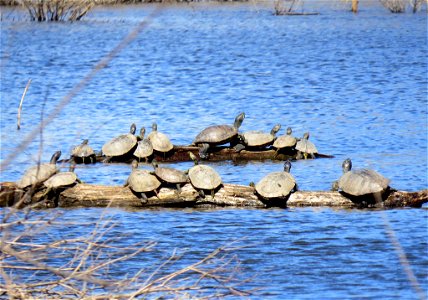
(356, 82)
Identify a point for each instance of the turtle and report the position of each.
(121, 145)
(39, 173)
(142, 182)
(170, 175)
(285, 141)
(203, 177)
(259, 139)
(83, 152)
(359, 184)
(276, 184)
(61, 180)
(305, 148)
(160, 141)
(144, 147)
(217, 135)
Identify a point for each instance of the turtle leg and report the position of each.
(305, 155)
(299, 155)
(238, 147)
(378, 200)
(312, 156)
(201, 193)
(212, 193)
(178, 188)
(107, 159)
(203, 151)
(143, 199)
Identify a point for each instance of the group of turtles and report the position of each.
(353, 183)
(142, 148)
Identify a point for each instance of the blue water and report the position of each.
(357, 83)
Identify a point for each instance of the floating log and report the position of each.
(181, 154)
(87, 195)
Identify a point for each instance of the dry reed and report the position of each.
(57, 10)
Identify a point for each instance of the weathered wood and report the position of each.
(87, 195)
(181, 154)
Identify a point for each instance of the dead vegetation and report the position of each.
(37, 261)
(399, 6)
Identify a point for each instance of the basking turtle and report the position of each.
(61, 180)
(144, 147)
(218, 135)
(171, 176)
(259, 139)
(38, 174)
(142, 182)
(361, 183)
(285, 141)
(83, 152)
(120, 146)
(305, 147)
(277, 184)
(159, 140)
(203, 177)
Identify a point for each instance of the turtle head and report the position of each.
(193, 157)
(134, 164)
(133, 128)
(275, 129)
(85, 142)
(306, 136)
(287, 166)
(72, 166)
(154, 126)
(155, 164)
(238, 120)
(55, 157)
(289, 131)
(252, 184)
(347, 165)
(142, 132)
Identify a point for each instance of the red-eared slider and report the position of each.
(203, 177)
(260, 139)
(37, 174)
(83, 152)
(144, 147)
(121, 145)
(170, 176)
(305, 147)
(285, 141)
(159, 140)
(218, 135)
(361, 182)
(277, 184)
(142, 182)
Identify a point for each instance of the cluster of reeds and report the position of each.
(57, 10)
(399, 6)
(283, 7)
(36, 263)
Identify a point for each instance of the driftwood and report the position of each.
(181, 153)
(87, 195)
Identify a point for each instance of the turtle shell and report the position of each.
(170, 175)
(257, 138)
(37, 174)
(61, 179)
(362, 182)
(160, 141)
(144, 149)
(306, 146)
(204, 177)
(82, 151)
(142, 181)
(216, 135)
(285, 141)
(277, 184)
(119, 145)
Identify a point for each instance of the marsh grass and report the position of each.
(57, 10)
(399, 6)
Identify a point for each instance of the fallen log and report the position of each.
(181, 154)
(87, 195)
